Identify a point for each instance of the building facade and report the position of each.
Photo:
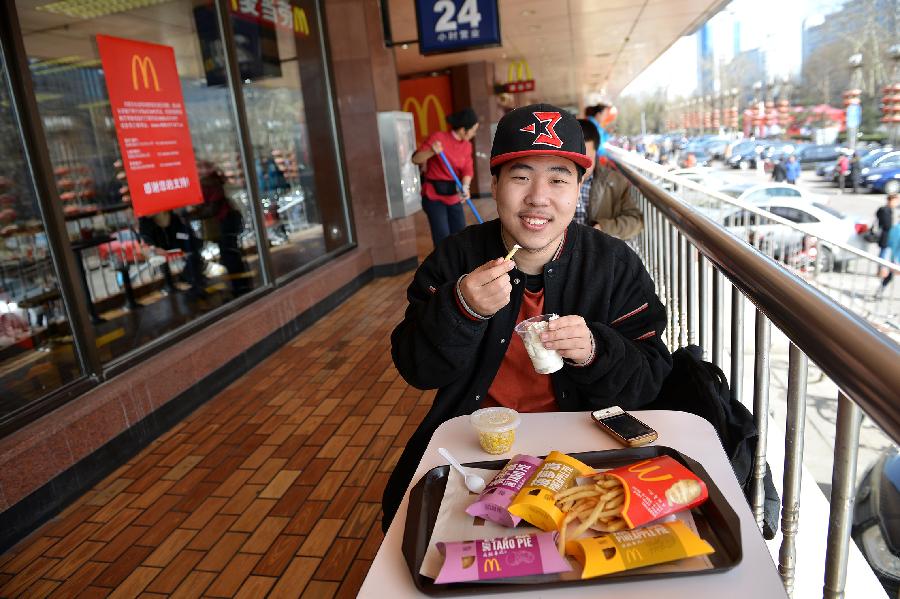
(181, 193)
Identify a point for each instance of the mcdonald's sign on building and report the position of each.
(430, 100)
(518, 78)
(151, 124)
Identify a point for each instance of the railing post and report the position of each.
(737, 343)
(793, 465)
(703, 303)
(843, 479)
(718, 332)
(760, 414)
(658, 262)
(683, 291)
(692, 294)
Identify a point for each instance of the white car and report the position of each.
(816, 218)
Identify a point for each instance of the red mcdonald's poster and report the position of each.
(429, 99)
(151, 124)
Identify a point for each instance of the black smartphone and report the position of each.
(624, 427)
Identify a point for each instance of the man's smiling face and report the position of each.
(536, 198)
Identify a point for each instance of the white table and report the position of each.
(571, 432)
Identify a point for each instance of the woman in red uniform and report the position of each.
(440, 199)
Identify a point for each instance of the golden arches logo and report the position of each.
(420, 110)
(301, 24)
(491, 565)
(643, 471)
(518, 71)
(145, 65)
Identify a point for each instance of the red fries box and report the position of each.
(655, 488)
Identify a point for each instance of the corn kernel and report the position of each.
(497, 443)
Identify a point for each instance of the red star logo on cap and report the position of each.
(548, 137)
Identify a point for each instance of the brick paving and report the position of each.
(274, 486)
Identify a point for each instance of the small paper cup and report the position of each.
(496, 428)
(544, 360)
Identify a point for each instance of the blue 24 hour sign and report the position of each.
(457, 25)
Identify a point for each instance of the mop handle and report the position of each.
(459, 185)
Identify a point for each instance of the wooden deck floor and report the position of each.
(271, 489)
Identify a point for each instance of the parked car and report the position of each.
(716, 148)
(754, 192)
(698, 149)
(745, 154)
(809, 156)
(705, 176)
(816, 219)
(876, 159)
(883, 179)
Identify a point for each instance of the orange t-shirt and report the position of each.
(517, 385)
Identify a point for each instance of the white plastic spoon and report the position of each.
(474, 482)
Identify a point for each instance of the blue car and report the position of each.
(883, 180)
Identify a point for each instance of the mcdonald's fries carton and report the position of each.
(655, 488)
(503, 557)
(536, 503)
(653, 544)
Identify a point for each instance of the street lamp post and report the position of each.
(851, 99)
(891, 98)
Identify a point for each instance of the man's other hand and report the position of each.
(570, 336)
(487, 288)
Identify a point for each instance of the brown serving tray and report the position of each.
(716, 521)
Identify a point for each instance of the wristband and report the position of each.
(462, 301)
(590, 358)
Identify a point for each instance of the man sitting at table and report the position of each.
(457, 335)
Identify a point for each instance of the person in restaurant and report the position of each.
(441, 200)
(222, 224)
(466, 298)
(167, 231)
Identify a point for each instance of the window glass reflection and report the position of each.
(147, 271)
(290, 125)
(36, 352)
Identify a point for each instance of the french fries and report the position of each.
(596, 505)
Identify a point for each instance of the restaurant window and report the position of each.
(279, 47)
(36, 351)
(146, 161)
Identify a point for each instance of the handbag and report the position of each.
(443, 187)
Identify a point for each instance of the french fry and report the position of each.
(514, 249)
(596, 505)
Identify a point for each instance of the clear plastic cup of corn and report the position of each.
(496, 428)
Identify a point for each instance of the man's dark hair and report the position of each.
(589, 130)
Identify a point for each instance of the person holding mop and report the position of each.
(442, 197)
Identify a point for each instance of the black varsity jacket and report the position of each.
(437, 346)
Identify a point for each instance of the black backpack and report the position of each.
(701, 388)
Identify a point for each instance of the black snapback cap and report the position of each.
(539, 130)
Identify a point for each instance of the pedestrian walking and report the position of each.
(792, 170)
(843, 169)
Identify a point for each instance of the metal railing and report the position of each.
(689, 257)
(823, 249)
